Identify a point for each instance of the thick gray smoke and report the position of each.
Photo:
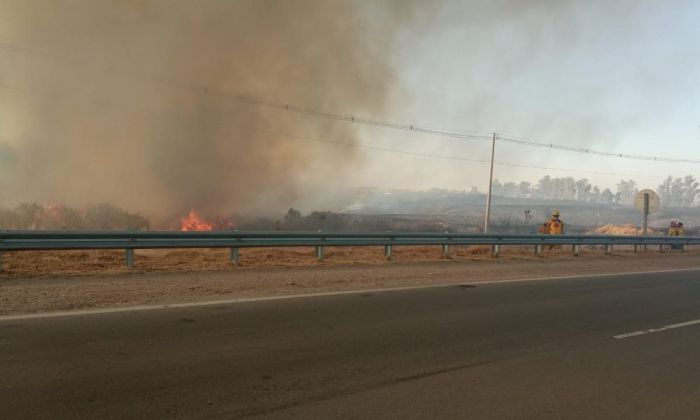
(121, 101)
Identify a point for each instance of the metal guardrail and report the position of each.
(129, 241)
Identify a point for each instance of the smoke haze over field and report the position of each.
(122, 101)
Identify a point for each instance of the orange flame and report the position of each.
(194, 223)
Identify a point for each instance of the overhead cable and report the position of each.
(351, 118)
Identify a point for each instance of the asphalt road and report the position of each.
(543, 349)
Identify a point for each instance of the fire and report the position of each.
(193, 222)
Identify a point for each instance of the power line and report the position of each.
(253, 101)
(351, 118)
(525, 142)
(384, 149)
(447, 157)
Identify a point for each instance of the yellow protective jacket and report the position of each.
(556, 227)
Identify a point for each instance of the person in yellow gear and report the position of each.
(676, 229)
(556, 226)
(673, 229)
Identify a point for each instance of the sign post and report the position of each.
(646, 213)
(646, 201)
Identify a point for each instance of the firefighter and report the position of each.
(676, 229)
(673, 229)
(556, 226)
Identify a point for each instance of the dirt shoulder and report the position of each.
(98, 289)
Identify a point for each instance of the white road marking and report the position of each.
(139, 308)
(655, 330)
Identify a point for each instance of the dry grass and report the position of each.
(51, 281)
(77, 263)
(624, 230)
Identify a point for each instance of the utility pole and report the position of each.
(488, 196)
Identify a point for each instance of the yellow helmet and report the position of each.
(555, 213)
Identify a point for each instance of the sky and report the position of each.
(612, 76)
(136, 102)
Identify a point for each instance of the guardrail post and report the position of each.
(130, 257)
(496, 250)
(661, 248)
(608, 249)
(576, 249)
(235, 256)
(1, 270)
(538, 250)
(445, 251)
(387, 251)
(319, 248)
(635, 249)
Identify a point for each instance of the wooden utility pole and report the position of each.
(487, 219)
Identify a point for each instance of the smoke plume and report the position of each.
(137, 102)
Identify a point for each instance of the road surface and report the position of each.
(624, 346)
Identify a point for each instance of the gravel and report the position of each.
(44, 282)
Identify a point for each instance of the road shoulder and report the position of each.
(25, 296)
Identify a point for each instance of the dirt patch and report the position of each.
(51, 281)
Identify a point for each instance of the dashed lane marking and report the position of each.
(656, 330)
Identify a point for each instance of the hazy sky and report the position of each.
(616, 76)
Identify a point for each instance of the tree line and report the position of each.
(673, 192)
(59, 217)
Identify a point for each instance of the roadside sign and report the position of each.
(646, 201)
(654, 201)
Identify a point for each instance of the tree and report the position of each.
(568, 187)
(690, 190)
(59, 217)
(497, 188)
(509, 189)
(292, 214)
(107, 217)
(677, 192)
(558, 189)
(29, 215)
(544, 187)
(524, 189)
(583, 190)
(664, 191)
(607, 197)
(626, 191)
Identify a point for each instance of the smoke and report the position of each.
(135, 102)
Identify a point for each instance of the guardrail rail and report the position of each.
(235, 240)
